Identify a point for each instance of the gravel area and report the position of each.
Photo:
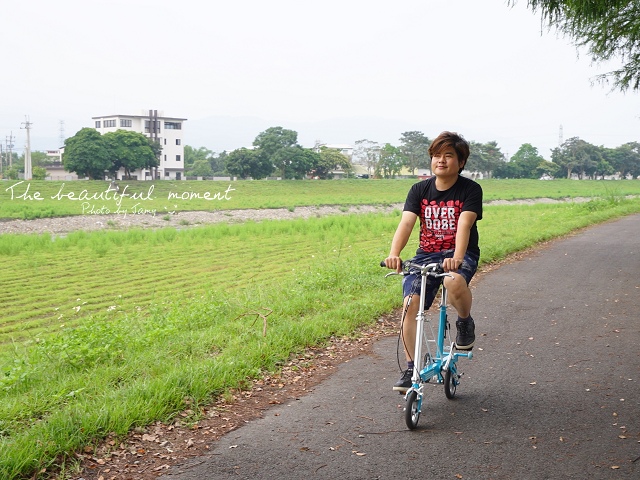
(62, 225)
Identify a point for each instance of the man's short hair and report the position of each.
(453, 140)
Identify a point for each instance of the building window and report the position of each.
(97, 123)
(177, 158)
(165, 158)
(178, 141)
(165, 141)
(166, 174)
(148, 124)
(125, 122)
(109, 123)
(173, 125)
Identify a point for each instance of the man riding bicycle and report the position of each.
(448, 206)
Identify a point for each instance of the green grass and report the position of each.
(39, 199)
(167, 318)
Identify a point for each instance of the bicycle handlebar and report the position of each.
(431, 269)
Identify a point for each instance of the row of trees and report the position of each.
(276, 152)
(575, 157)
(12, 167)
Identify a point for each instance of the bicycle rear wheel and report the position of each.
(412, 410)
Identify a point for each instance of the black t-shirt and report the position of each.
(439, 213)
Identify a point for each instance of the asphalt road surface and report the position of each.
(553, 390)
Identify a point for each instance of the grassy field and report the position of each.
(105, 331)
(38, 199)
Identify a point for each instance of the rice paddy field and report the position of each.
(108, 330)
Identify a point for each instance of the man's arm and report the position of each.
(400, 239)
(465, 222)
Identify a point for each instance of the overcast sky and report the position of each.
(478, 67)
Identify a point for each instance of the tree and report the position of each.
(198, 163)
(191, 156)
(39, 159)
(484, 157)
(331, 159)
(624, 159)
(579, 155)
(13, 173)
(507, 170)
(606, 29)
(295, 162)
(391, 161)
(130, 150)
(602, 167)
(39, 173)
(305, 162)
(547, 168)
(200, 168)
(218, 163)
(271, 141)
(87, 154)
(527, 160)
(367, 153)
(415, 147)
(245, 163)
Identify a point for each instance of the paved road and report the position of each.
(553, 391)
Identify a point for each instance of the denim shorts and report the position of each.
(411, 283)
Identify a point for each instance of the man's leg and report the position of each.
(409, 325)
(461, 299)
(411, 305)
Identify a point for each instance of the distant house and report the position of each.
(346, 150)
(167, 131)
(54, 168)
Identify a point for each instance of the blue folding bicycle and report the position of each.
(439, 366)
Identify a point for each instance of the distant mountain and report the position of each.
(219, 133)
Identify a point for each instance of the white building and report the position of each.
(54, 168)
(346, 150)
(165, 130)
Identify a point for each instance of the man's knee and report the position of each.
(456, 283)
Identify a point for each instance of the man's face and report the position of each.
(445, 163)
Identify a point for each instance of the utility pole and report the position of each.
(560, 139)
(1, 160)
(61, 134)
(27, 154)
(9, 141)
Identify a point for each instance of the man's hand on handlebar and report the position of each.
(451, 264)
(393, 262)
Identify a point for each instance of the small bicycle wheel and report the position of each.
(450, 384)
(412, 410)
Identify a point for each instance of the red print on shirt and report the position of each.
(438, 225)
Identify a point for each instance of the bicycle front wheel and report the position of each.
(412, 410)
